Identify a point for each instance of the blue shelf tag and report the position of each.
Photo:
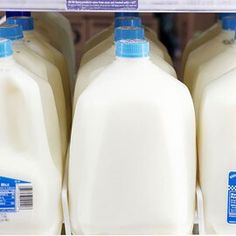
(231, 211)
(100, 5)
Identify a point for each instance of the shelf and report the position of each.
(118, 5)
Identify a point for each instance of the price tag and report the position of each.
(101, 5)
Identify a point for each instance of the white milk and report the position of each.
(44, 69)
(132, 127)
(106, 39)
(205, 36)
(48, 52)
(200, 39)
(28, 158)
(90, 70)
(206, 52)
(215, 102)
(58, 29)
(216, 66)
(216, 141)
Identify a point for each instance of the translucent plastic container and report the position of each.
(132, 126)
(205, 53)
(215, 102)
(217, 65)
(45, 70)
(28, 158)
(48, 52)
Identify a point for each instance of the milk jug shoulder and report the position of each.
(135, 105)
(44, 69)
(215, 67)
(211, 71)
(152, 37)
(28, 169)
(48, 52)
(207, 51)
(90, 70)
(207, 35)
(197, 41)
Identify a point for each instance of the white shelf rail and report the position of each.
(120, 5)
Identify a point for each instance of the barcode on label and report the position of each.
(24, 197)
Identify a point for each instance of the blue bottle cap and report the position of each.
(129, 32)
(229, 23)
(12, 32)
(128, 21)
(17, 13)
(134, 48)
(5, 48)
(125, 14)
(26, 22)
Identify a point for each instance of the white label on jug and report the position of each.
(231, 211)
(101, 5)
(15, 195)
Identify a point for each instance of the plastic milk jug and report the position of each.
(206, 52)
(43, 69)
(132, 126)
(48, 52)
(205, 36)
(30, 182)
(90, 70)
(216, 66)
(215, 103)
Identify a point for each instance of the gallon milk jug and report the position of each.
(216, 148)
(205, 52)
(119, 22)
(132, 127)
(99, 37)
(90, 70)
(216, 66)
(48, 52)
(204, 37)
(30, 182)
(58, 28)
(44, 69)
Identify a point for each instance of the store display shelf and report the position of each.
(118, 5)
